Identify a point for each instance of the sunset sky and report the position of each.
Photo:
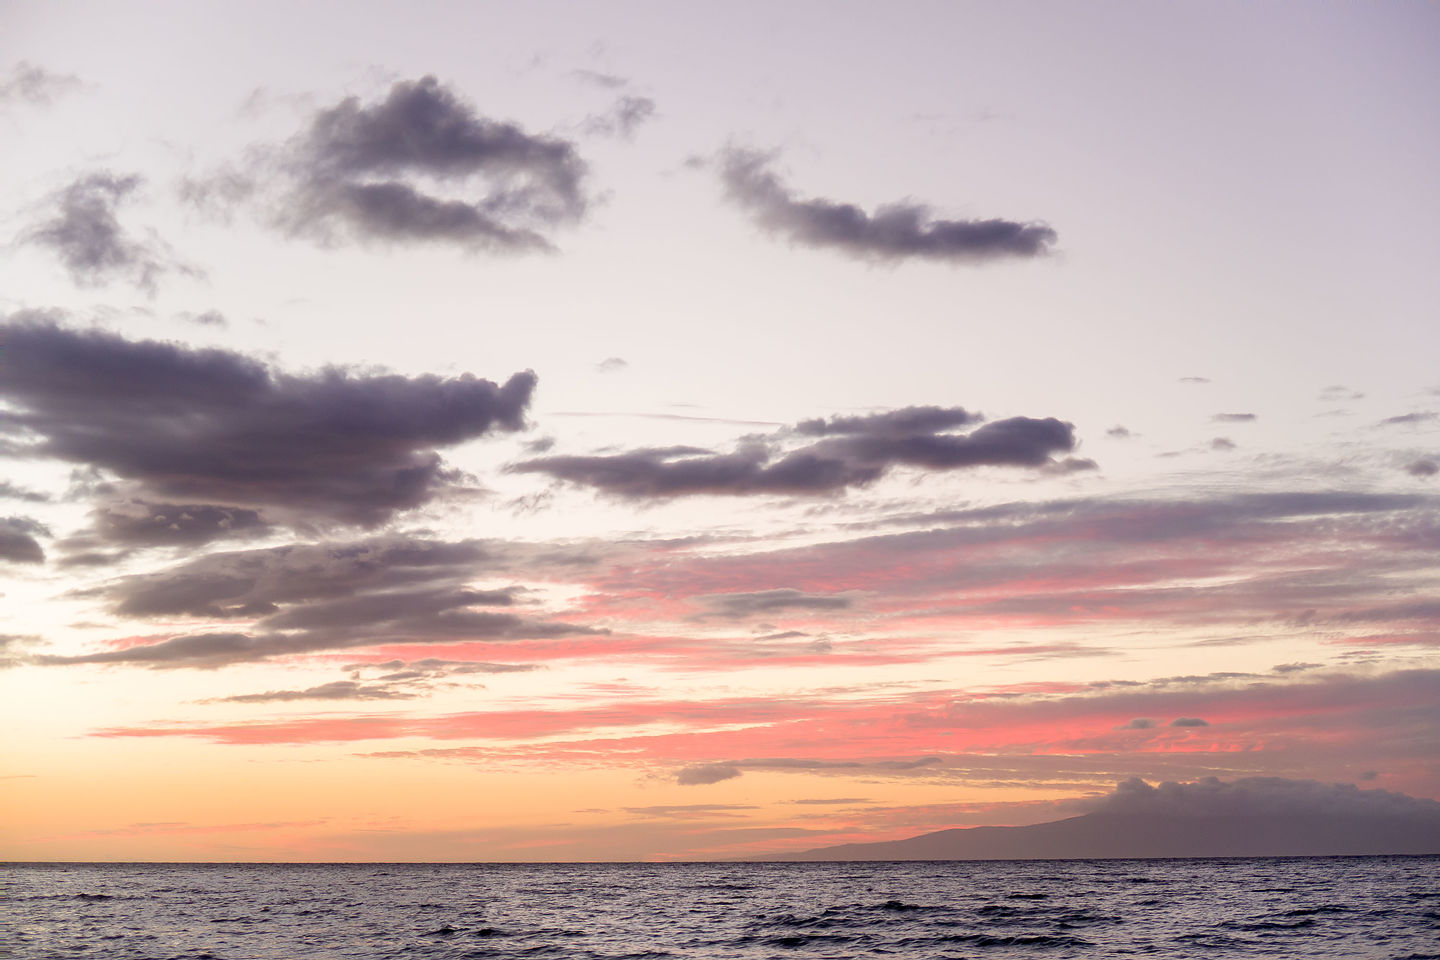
(552, 431)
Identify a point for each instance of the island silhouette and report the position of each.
(1250, 817)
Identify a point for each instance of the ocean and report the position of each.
(1351, 907)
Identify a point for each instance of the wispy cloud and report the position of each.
(33, 84)
(86, 234)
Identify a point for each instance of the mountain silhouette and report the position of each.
(1253, 817)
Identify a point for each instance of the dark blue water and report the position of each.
(1373, 907)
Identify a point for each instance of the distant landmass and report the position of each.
(1253, 817)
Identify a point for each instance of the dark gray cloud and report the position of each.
(220, 429)
(138, 523)
(849, 452)
(1410, 419)
(214, 650)
(705, 773)
(86, 234)
(17, 540)
(1424, 467)
(623, 118)
(893, 232)
(421, 165)
(904, 422)
(771, 601)
(1139, 723)
(1119, 432)
(273, 580)
(306, 598)
(335, 690)
(1222, 444)
(1260, 796)
(1233, 417)
(1189, 722)
(35, 85)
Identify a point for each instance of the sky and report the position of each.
(660, 431)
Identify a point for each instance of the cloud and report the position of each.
(10, 491)
(1119, 432)
(1188, 722)
(36, 85)
(624, 118)
(418, 165)
(706, 773)
(204, 430)
(771, 601)
(1259, 567)
(12, 649)
(86, 235)
(335, 690)
(1410, 419)
(1222, 444)
(608, 81)
(1194, 379)
(1260, 796)
(1139, 723)
(17, 540)
(209, 651)
(1424, 467)
(808, 763)
(907, 421)
(139, 523)
(210, 318)
(1233, 417)
(893, 232)
(1340, 392)
(848, 452)
(611, 364)
(433, 667)
(346, 581)
(1292, 725)
(308, 598)
(691, 811)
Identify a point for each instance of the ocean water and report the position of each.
(1360, 907)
